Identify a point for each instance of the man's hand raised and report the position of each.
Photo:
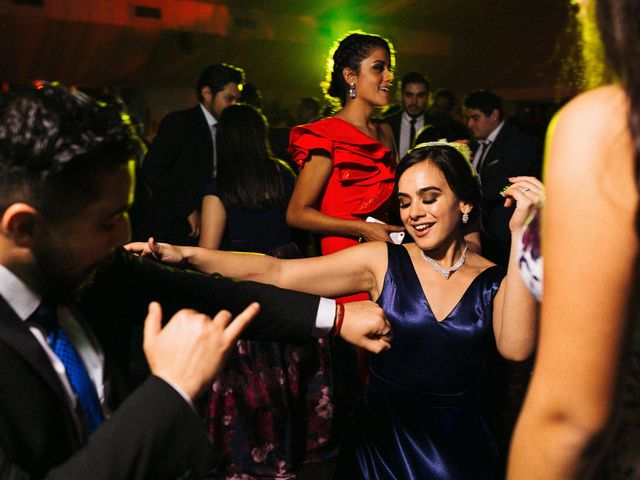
(191, 349)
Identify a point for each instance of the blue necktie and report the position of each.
(46, 316)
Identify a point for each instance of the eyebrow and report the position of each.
(423, 190)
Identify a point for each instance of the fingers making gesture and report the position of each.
(191, 348)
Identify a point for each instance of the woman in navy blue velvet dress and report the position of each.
(421, 413)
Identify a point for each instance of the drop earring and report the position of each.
(352, 91)
(465, 217)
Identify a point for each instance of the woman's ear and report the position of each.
(465, 207)
(19, 223)
(349, 75)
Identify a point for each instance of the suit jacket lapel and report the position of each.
(16, 334)
(497, 145)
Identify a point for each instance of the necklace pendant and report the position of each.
(446, 273)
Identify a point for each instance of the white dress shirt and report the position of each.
(405, 130)
(486, 144)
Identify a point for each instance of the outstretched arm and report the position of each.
(304, 213)
(590, 247)
(364, 323)
(515, 308)
(342, 273)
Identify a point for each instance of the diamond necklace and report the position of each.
(446, 272)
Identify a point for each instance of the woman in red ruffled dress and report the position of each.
(347, 164)
(347, 161)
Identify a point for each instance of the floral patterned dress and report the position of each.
(529, 259)
(270, 409)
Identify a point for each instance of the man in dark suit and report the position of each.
(500, 152)
(415, 92)
(181, 161)
(70, 301)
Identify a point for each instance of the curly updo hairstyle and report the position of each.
(349, 53)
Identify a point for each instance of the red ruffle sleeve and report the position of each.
(363, 176)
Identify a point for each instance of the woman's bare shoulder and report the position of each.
(591, 131)
(600, 111)
(590, 153)
(477, 262)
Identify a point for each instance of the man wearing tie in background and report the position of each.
(500, 152)
(416, 93)
(181, 161)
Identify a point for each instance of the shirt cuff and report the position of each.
(325, 317)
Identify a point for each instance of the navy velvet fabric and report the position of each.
(421, 414)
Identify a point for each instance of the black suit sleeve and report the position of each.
(520, 155)
(129, 283)
(154, 434)
(171, 165)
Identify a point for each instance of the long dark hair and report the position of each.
(249, 177)
(619, 27)
(349, 53)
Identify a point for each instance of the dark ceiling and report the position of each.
(513, 46)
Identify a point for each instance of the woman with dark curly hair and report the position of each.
(347, 161)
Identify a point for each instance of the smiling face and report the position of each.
(373, 81)
(429, 209)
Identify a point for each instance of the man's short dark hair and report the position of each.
(485, 101)
(415, 77)
(446, 93)
(54, 147)
(217, 76)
